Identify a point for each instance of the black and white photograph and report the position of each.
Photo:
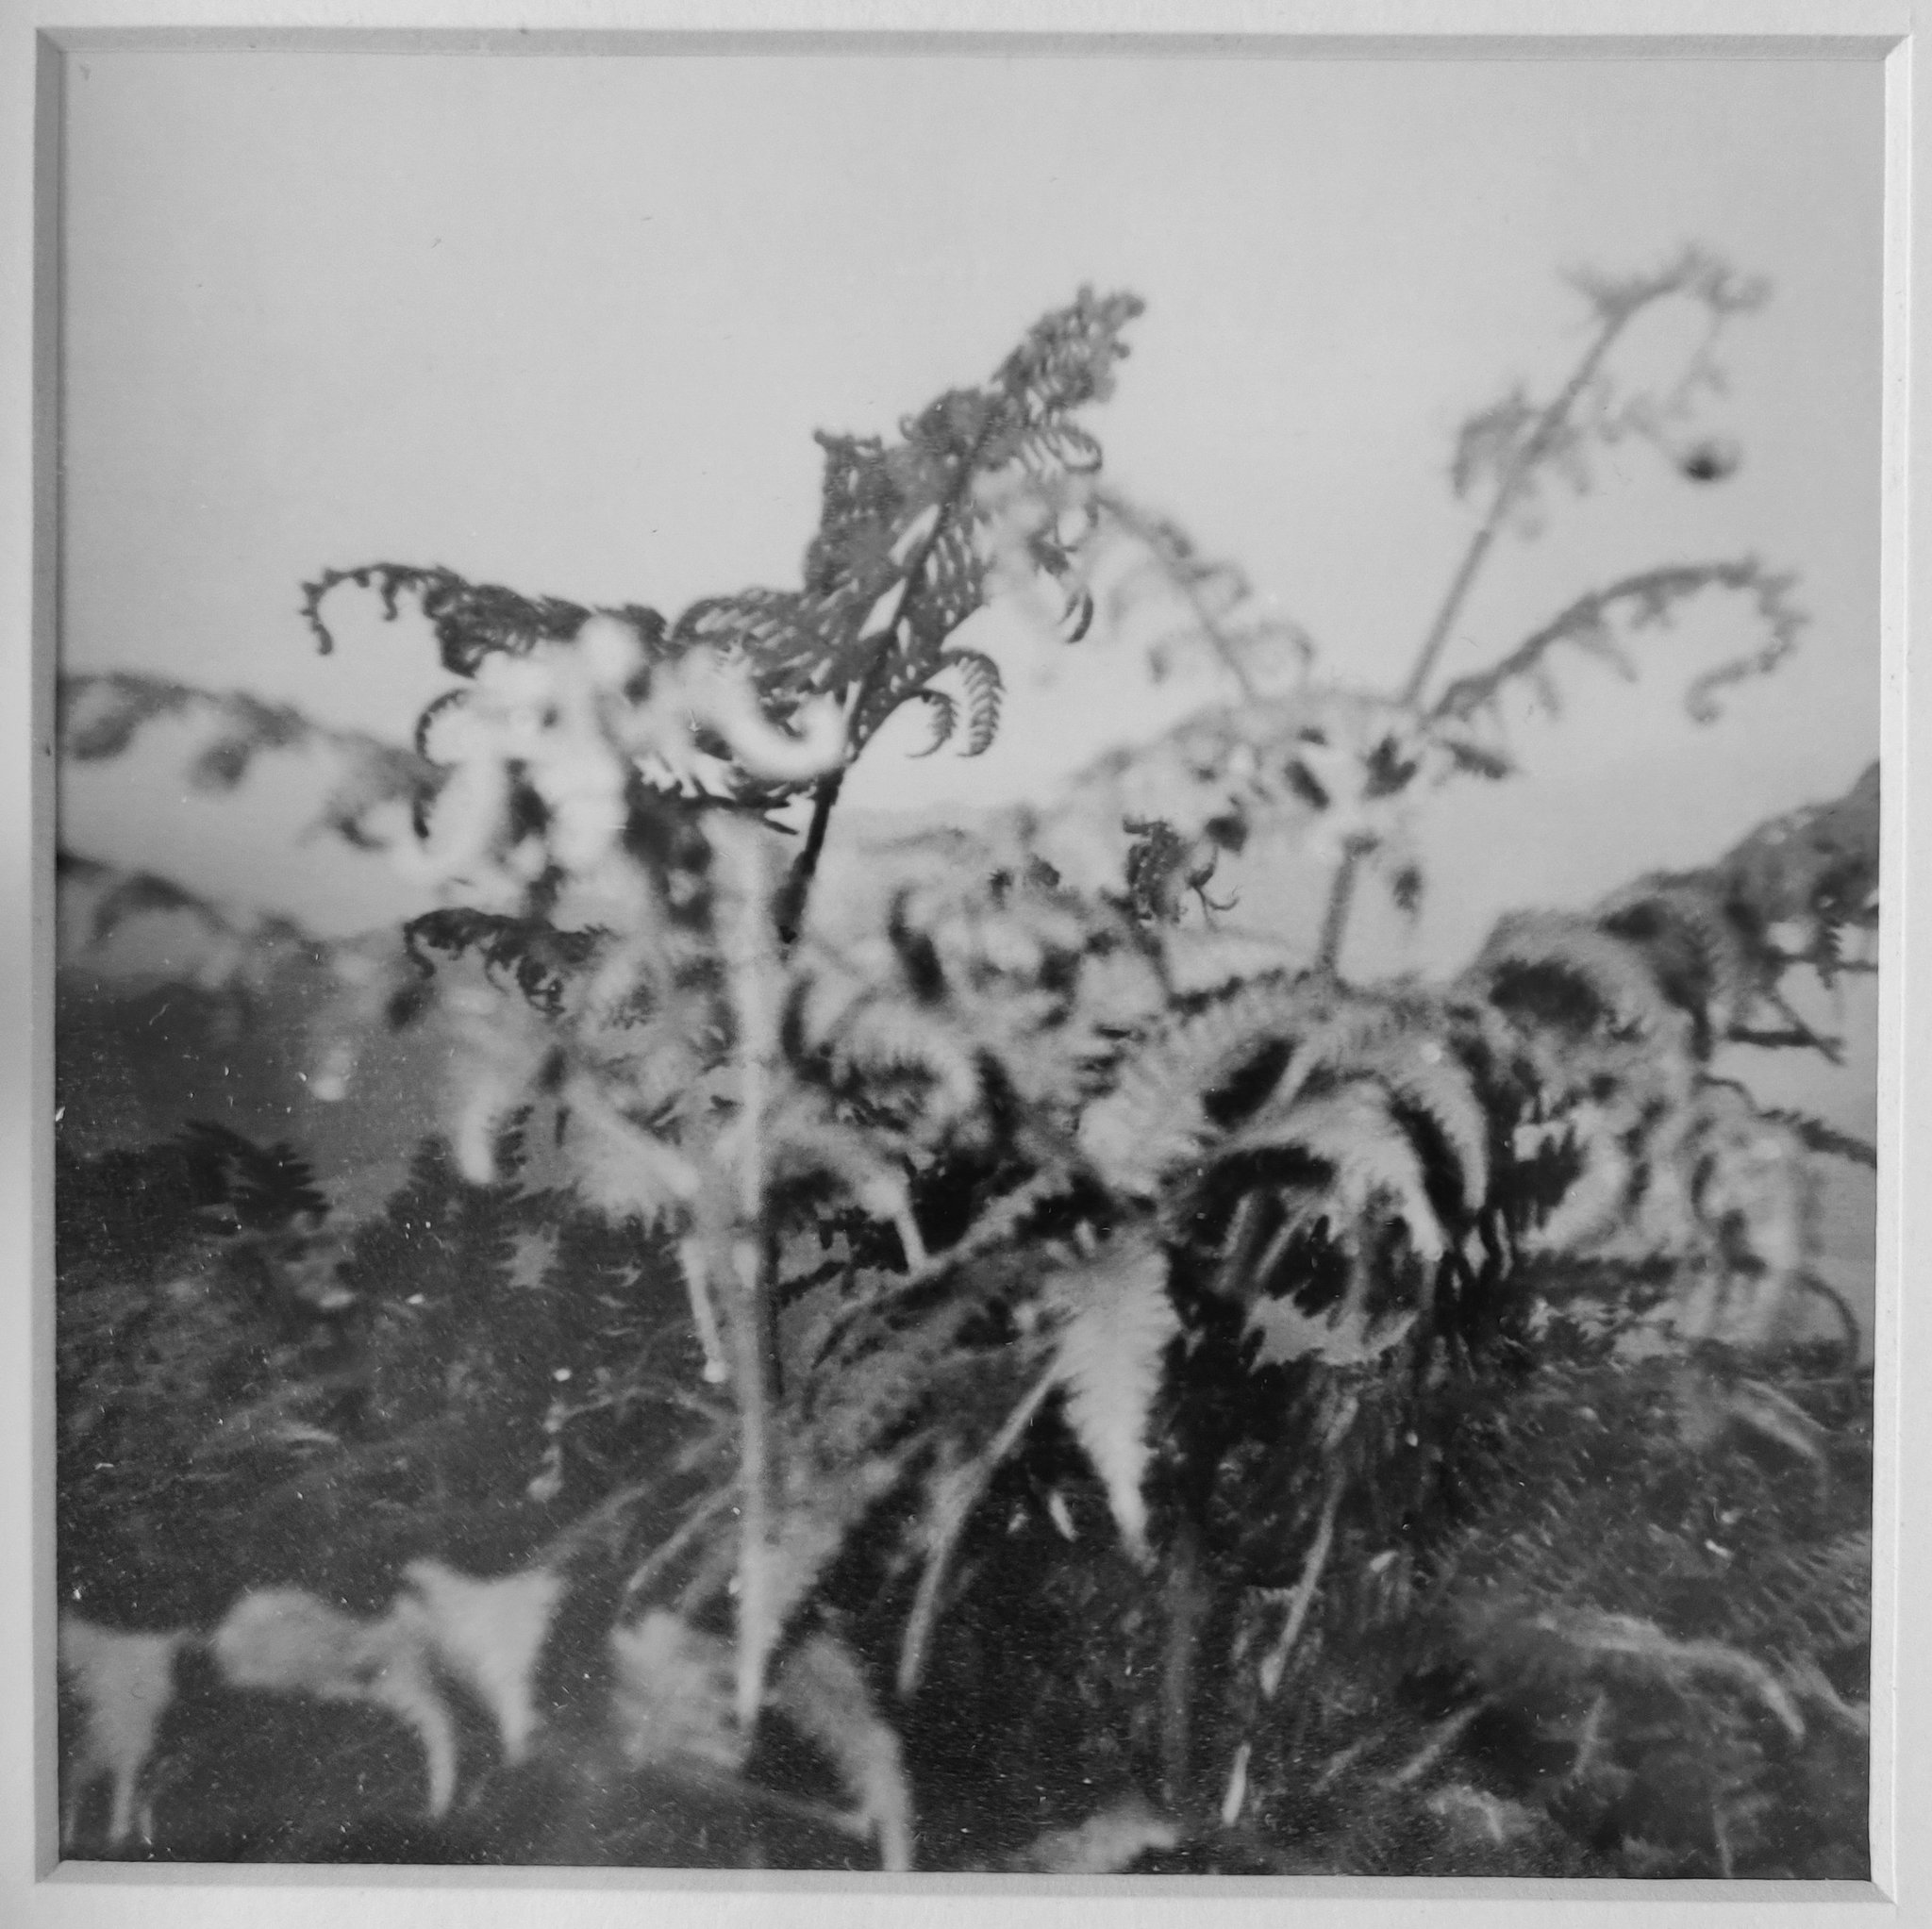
(967, 962)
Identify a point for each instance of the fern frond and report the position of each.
(620, 1168)
(885, 1366)
(1430, 1088)
(1594, 1203)
(1201, 962)
(1116, 1322)
(100, 716)
(672, 1694)
(1816, 1135)
(1646, 599)
(822, 1690)
(1348, 1335)
(1696, 949)
(1158, 1117)
(953, 1494)
(532, 952)
(801, 1139)
(1821, 861)
(984, 687)
(886, 1036)
(1068, 357)
(472, 621)
(1373, 1168)
(1608, 1639)
(945, 718)
(1555, 968)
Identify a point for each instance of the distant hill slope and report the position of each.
(136, 1061)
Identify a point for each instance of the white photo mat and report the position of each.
(31, 1890)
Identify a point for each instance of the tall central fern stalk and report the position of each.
(738, 1248)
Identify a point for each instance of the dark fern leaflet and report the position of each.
(898, 563)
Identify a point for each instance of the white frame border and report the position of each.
(36, 1891)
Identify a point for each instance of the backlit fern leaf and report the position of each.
(1423, 1076)
(1117, 1322)
(1375, 1169)
(886, 1036)
(1158, 1117)
(1695, 946)
(802, 1139)
(621, 1169)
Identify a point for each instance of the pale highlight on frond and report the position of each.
(1154, 1120)
(886, 1034)
(1373, 1165)
(1118, 1321)
(1619, 987)
(1422, 1076)
(619, 1168)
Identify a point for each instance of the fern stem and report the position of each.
(953, 1513)
(805, 867)
(1340, 902)
(1275, 1663)
(1509, 489)
(1442, 1738)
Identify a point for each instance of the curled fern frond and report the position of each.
(981, 676)
(887, 1038)
(1646, 599)
(531, 952)
(945, 718)
(472, 621)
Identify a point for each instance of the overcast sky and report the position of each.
(568, 324)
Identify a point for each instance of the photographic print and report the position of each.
(967, 962)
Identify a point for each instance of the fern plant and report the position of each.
(1013, 1199)
(1342, 766)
